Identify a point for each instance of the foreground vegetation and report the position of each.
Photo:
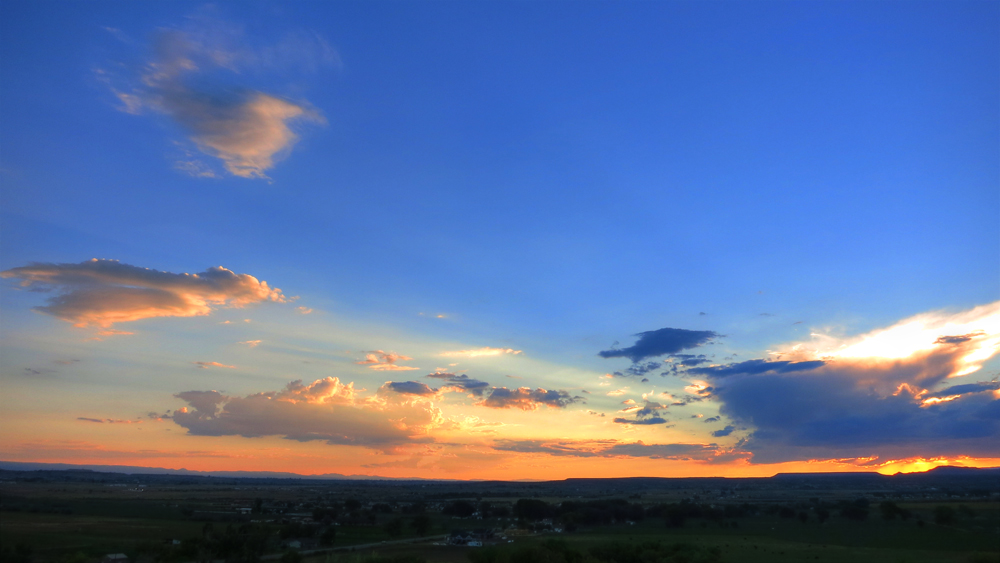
(613, 521)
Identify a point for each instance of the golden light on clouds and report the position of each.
(379, 360)
(104, 292)
(977, 331)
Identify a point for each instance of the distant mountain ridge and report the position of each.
(136, 470)
(941, 471)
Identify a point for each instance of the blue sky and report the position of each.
(550, 177)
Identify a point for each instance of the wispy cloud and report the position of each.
(108, 420)
(103, 292)
(206, 365)
(193, 76)
(614, 448)
(385, 361)
(251, 343)
(481, 352)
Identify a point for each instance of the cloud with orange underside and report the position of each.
(379, 360)
(101, 293)
(325, 410)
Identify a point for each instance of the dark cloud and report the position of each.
(965, 388)
(641, 421)
(690, 360)
(724, 432)
(107, 420)
(411, 388)
(461, 383)
(661, 342)
(859, 408)
(959, 339)
(713, 419)
(525, 399)
(756, 367)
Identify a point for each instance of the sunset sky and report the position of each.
(504, 240)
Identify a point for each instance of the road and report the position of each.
(358, 546)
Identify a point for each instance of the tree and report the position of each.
(394, 527)
(328, 535)
(422, 524)
(889, 510)
(460, 508)
(532, 509)
(944, 515)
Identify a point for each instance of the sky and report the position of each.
(501, 240)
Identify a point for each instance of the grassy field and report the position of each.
(775, 539)
(734, 550)
(78, 523)
(54, 535)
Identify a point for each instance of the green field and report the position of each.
(80, 522)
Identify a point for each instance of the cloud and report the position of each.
(205, 365)
(724, 432)
(638, 369)
(646, 414)
(304, 310)
(108, 420)
(104, 292)
(756, 367)
(461, 383)
(882, 394)
(251, 343)
(193, 77)
(480, 352)
(525, 399)
(661, 342)
(690, 360)
(617, 392)
(385, 361)
(641, 421)
(410, 388)
(325, 410)
(612, 449)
